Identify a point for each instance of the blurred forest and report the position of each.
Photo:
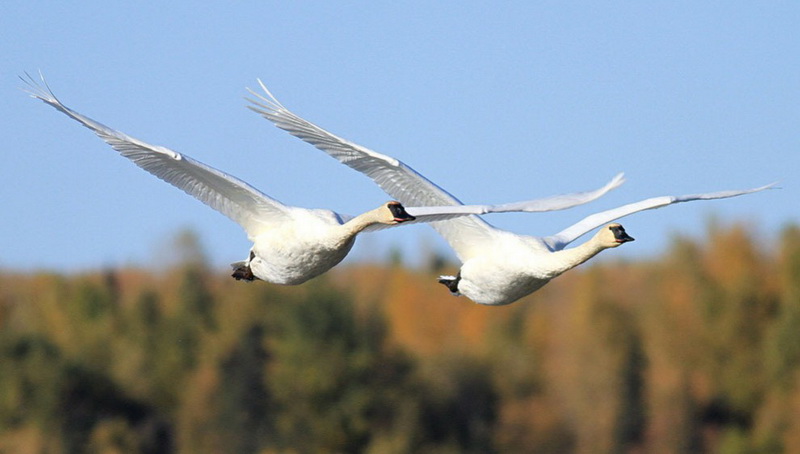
(697, 350)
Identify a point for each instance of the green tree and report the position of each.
(245, 413)
(335, 382)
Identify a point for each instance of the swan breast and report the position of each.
(516, 266)
(291, 253)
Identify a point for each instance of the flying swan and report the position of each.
(498, 267)
(290, 245)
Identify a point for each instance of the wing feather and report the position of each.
(232, 197)
(591, 222)
(393, 176)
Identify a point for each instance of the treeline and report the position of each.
(695, 351)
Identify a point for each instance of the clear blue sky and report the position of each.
(494, 102)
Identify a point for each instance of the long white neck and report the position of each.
(362, 221)
(567, 259)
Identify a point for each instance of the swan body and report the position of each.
(311, 243)
(498, 267)
(517, 265)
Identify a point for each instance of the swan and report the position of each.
(290, 244)
(498, 267)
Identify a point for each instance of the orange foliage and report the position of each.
(423, 316)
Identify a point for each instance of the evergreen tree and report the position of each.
(335, 382)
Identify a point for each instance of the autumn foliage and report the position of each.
(697, 350)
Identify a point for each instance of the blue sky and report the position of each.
(493, 102)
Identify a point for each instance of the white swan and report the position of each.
(499, 267)
(290, 244)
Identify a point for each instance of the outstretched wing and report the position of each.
(589, 223)
(393, 176)
(230, 196)
(431, 214)
(552, 203)
(407, 185)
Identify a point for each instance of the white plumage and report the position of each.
(498, 267)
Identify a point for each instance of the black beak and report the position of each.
(620, 235)
(399, 212)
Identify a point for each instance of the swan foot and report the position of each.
(242, 271)
(451, 282)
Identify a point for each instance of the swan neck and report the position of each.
(362, 221)
(570, 258)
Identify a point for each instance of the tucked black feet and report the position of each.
(451, 282)
(243, 272)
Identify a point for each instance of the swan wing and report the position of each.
(232, 197)
(589, 223)
(393, 176)
(552, 203)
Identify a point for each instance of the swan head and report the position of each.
(395, 213)
(613, 235)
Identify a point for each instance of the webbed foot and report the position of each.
(243, 272)
(451, 282)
